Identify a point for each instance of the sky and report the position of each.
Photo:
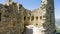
(33, 4)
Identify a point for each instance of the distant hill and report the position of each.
(57, 21)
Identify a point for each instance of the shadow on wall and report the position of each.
(28, 31)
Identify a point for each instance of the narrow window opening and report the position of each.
(25, 18)
(40, 17)
(36, 17)
(32, 18)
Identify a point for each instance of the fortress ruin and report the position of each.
(15, 19)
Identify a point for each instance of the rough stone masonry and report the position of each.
(15, 19)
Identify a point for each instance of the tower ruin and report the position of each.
(47, 7)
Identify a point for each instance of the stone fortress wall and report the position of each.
(14, 18)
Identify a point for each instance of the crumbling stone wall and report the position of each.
(11, 20)
(15, 19)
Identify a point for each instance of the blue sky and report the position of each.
(33, 4)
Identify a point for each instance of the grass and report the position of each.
(58, 30)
